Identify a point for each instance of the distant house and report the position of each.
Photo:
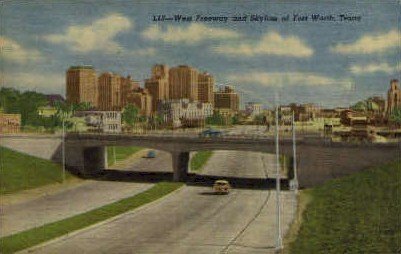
(253, 109)
(50, 109)
(101, 121)
(10, 123)
(47, 111)
(182, 112)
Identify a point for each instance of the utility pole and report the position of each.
(63, 148)
(279, 243)
(294, 149)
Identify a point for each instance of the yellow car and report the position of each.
(221, 187)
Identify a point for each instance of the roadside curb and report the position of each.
(117, 217)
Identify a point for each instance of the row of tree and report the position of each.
(131, 116)
(219, 119)
(28, 105)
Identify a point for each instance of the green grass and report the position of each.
(122, 153)
(32, 237)
(200, 159)
(356, 214)
(19, 171)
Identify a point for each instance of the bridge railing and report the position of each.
(195, 135)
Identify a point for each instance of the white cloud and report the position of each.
(150, 51)
(271, 43)
(288, 79)
(98, 36)
(47, 82)
(369, 44)
(372, 68)
(191, 34)
(12, 51)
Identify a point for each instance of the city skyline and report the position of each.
(110, 91)
(327, 63)
(176, 126)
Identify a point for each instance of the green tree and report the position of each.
(360, 106)
(10, 100)
(155, 121)
(259, 119)
(62, 109)
(396, 116)
(158, 119)
(130, 114)
(235, 119)
(215, 119)
(29, 103)
(82, 106)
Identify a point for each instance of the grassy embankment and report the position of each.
(356, 214)
(122, 153)
(199, 160)
(19, 171)
(32, 237)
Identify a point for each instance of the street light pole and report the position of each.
(294, 154)
(279, 243)
(63, 148)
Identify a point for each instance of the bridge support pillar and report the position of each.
(180, 165)
(85, 160)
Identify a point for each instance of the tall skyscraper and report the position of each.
(183, 83)
(205, 88)
(158, 85)
(393, 97)
(127, 86)
(226, 99)
(109, 91)
(81, 85)
(142, 99)
(160, 71)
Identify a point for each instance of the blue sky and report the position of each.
(331, 63)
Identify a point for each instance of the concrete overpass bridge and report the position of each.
(318, 159)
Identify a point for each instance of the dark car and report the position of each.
(211, 133)
(151, 154)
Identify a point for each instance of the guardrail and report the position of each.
(196, 135)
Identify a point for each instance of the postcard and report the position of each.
(200, 126)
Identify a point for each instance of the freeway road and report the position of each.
(56, 204)
(192, 220)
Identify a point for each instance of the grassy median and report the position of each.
(121, 153)
(199, 160)
(20, 171)
(356, 214)
(32, 237)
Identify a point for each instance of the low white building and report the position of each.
(253, 109)
(102, 121)
(183, 112)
